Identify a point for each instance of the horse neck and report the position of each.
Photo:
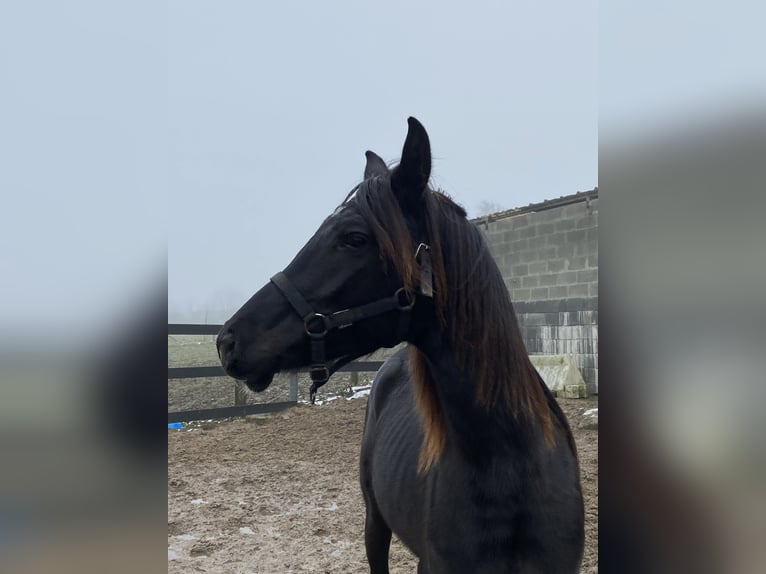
(503, 402)
(481, 429)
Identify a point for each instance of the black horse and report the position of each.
(466, 456)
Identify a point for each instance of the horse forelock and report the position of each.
(381, 210)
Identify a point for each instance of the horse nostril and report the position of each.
(225, 343)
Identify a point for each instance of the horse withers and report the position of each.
(466, 455)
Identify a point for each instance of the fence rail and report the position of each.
(238, 410)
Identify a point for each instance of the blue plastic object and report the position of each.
(175, 425)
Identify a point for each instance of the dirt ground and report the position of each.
(280, 494)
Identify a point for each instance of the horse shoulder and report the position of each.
(392, 377)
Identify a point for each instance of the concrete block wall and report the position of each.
(548, 255)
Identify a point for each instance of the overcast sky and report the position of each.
(221, 134)
(272, 106)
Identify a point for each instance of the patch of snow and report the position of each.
(246, 530)
(199, 501)
(590, 412)
(332, 506)
(172, 554)
(359, 394)
(185, 537)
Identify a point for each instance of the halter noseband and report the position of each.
(317, 325)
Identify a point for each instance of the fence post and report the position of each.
(293, 378)
(240, 394)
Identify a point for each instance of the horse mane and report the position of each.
(471, 302)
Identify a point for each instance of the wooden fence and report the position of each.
(240, 408)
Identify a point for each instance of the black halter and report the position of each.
(317, 325)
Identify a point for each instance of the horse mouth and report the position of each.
(259, 383)
(259, 379)
(256, 377)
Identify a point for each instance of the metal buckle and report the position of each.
(316, 334)
(403, 300)
(423, 247)
(316, 371)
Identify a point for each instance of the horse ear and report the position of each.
(410, 178)
(375, 165)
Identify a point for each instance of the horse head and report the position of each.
(352, 289)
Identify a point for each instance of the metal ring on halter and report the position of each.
(316, 334)
(319, 373)
(404, 300)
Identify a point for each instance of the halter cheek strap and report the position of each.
(317, 325)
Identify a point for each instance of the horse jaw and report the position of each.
(258, 379)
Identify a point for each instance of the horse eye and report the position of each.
(355, 239)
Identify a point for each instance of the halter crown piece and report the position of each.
(317, 325)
